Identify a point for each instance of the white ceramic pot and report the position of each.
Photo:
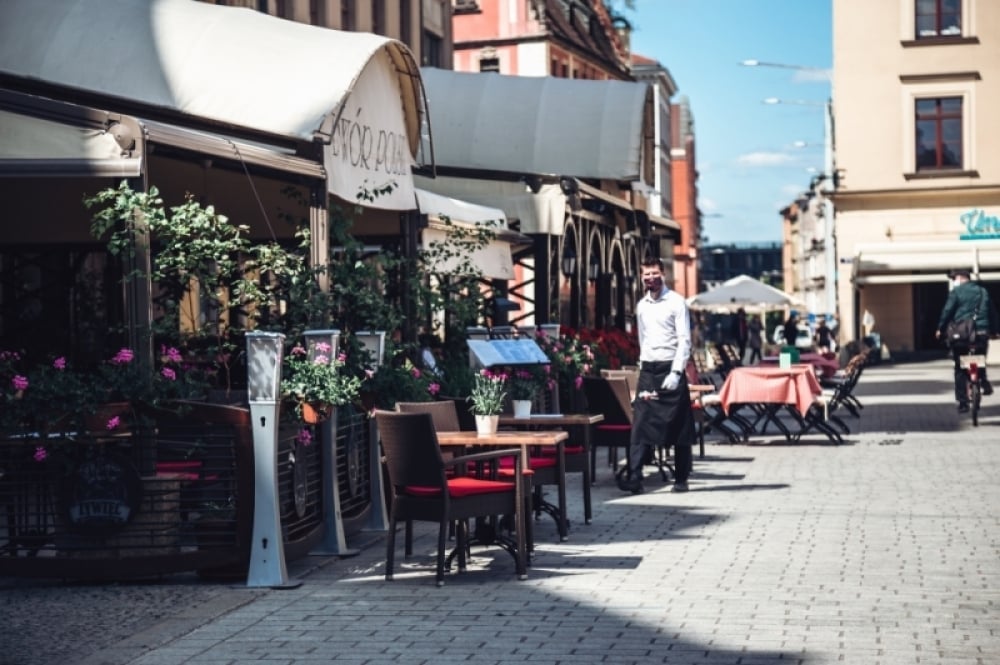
(522, 408)
(486, 425)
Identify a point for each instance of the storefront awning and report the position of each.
(443, 212)
(894, 263)
(235, 71)
(543, 212)
(541, 125)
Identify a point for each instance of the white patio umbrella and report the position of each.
(743, 291)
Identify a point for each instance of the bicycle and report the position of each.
(972, 363)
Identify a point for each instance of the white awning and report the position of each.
(439, 206)
(922, 261)
(543, 212)
(35, 146)
(541, 125)
(236, 70)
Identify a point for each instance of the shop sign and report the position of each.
(100, 495)
(369, 149)
(979, 226)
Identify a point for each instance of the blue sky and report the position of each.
(749, 163)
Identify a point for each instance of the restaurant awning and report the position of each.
(894, 263)
(543, 212)
(494, 259)
(231, 71)
(541, 125)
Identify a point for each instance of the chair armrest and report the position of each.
(484, 457)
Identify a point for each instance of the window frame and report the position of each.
(914, 92)
(908, 25)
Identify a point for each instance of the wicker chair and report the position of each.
(421, 488)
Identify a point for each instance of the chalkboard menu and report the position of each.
(492, 352)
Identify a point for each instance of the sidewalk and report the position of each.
(881, 551)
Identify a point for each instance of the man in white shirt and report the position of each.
(662, 415)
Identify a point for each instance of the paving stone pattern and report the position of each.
(881, 551)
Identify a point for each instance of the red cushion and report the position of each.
(462, 486)
(509, 473)
(176, 466)
(533, 462)
(568, 450)
(615, 428)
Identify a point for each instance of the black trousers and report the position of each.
(961, 376)
(666, 420)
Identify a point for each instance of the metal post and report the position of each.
(829, 186)
(267, 548)
(325, 342)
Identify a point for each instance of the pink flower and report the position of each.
(321, 360)
(20, 382)
(113, 423)
(59, 363)
(168, 374)
(370, 373)
(416, 373)
(342, 357)
(298, 350)
(171, 354)
(322, 347)
(578, 382)
(40, 454)
(123, 357)
(304, 437)
(434, 388)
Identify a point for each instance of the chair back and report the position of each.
(412, 455)
(609, 397)
(444, 413)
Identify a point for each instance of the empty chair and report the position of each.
(444, 413)
(421, 488)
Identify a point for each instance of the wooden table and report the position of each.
(772, 388)
(582, 421)
(508, 439)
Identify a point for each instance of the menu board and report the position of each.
(492, 352)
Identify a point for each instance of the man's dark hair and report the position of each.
(650, 261)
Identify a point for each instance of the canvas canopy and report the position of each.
(541, 125)
(742, 291)
(236, 70)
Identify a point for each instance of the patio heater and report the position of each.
(320, 343)
(267, 548)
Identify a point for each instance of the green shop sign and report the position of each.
(979, 226)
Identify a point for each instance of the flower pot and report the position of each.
(522, 408)
(314, 413)
(486, 425)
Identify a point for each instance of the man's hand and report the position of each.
(671, 382)
(937, 334)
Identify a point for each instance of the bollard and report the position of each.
(267, 547)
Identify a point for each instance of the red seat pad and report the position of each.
(185, 465)
(462, 486)
(533, 462)
(568, 450)
(615, 428)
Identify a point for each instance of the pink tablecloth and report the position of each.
(827, 366)
(771, 385)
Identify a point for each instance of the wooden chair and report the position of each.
(444, 414)
(421, 488)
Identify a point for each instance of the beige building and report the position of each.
(423, 25)
(916, 98)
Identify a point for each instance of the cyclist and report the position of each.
(968, 299)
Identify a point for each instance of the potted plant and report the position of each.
(317, 384)
(489, 390)
(525, 385)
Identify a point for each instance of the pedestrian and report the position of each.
(823, 337)
(754, 330)
(791, 328)
(968, 300)
(662, 413)
(742, 332)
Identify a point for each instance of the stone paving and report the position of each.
(881, 551)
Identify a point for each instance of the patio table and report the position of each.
(772, 388)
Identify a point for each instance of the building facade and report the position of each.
(919, 173)
(423, 25)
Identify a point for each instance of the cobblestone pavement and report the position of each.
(881, 551)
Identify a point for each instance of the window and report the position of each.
(938, 123)
(347, 15)
(431, 50)
(378, 17)
(489, 65)
(938, 18)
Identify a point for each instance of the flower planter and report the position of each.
(486, 425)
(522, 408)
(314, 413)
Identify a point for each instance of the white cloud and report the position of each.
(811, 75)
(762, 158)
(707, 205)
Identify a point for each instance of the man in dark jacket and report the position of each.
(969, 300)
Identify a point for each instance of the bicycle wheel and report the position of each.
(974, 398)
